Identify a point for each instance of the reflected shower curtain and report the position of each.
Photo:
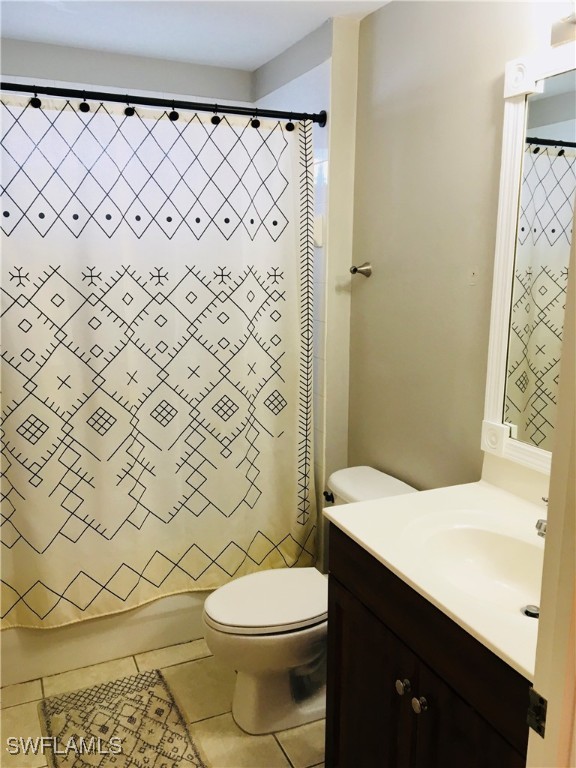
(157, 350)
(539, 294)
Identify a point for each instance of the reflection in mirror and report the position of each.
(543, 240)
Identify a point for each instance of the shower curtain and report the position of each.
(539, 294)
(156, 355)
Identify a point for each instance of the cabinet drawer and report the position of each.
(495, 690)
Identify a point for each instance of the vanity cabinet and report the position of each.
(391, 652)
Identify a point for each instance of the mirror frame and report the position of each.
(523, 77)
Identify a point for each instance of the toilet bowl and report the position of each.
(271, 627)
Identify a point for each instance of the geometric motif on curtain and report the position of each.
(122, 174)
(157, 357)
(539, 292)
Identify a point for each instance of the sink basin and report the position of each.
(490, 557)
(497, 568)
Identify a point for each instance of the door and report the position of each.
(555, 673)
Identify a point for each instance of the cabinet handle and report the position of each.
(419, 705)
(402, 686)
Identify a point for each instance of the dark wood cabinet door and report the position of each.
(451, 734)
(369, 724)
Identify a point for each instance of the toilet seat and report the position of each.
(269, 602)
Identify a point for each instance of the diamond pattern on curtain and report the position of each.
(539, 293)
(138, 173)
(157, 356)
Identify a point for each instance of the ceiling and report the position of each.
(237, 34)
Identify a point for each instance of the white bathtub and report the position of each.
(31, 653)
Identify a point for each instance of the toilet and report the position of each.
(271, 626)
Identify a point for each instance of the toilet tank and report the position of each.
(364, 483)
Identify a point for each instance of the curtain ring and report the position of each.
(173, 115)
(84, 106)
(35, 101)
(129, 111)
(255, 123)
(215, 119)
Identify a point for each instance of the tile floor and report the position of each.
(203, 691)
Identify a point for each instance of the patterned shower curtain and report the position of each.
(539, 294)
(156, 356)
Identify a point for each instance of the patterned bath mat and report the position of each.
(129, 723)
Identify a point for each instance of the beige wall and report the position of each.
(21, 59)
(287, 67)
(430, 113)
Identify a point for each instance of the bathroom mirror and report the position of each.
(534, 231)
(543, 239)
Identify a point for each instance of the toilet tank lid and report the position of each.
(365, 483)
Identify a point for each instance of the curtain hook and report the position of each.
(129, 111)
(84, 106)
(173, 115)
(215, 119)
(255, 123)
(35, 101)
(290, 125)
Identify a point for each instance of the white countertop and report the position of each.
(472, 550)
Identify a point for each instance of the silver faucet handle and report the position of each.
(541, 527)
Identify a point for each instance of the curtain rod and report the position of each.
(71, 93)
(550, 142)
